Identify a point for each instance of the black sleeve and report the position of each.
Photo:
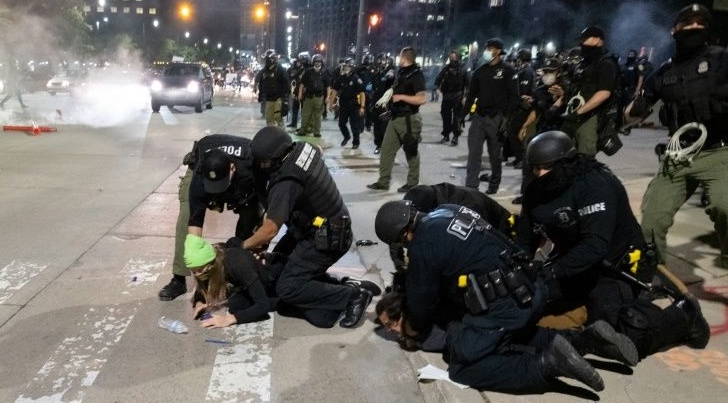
(259, 307)
(422, 286)
(440, 77)
(418, 83)
(198, 200)
(473, 92)
(607, 75)
(512, 92)
(282, 198)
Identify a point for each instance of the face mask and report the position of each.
(548, 79)
(487, 56)
(317, 66)
(590, 52)
(454, 63)
(688, 41)
(631, 59)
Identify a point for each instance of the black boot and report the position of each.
(365, 284)
(561, 359)
(174, 289)
(699, 330)
(356, 307)
(602, 340)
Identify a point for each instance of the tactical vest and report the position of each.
(586, 79)
(403, 85)
(315, 82)
(453, 80)
(688, 91)
(321, 197)
(269, 86)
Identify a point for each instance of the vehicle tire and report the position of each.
(198, 105)
(209, 105)
(156, 106)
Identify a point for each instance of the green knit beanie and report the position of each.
(198, 252)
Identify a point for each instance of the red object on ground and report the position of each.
(35, 130)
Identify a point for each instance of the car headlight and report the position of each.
(49, 83)
(193, 86)
(156, 85)
(65, 83)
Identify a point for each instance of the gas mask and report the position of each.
(487, 56)
(548, 79)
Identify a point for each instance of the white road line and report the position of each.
(241, 372)
(168, 117)
(15, 275)
(73, 367)
(142, 271)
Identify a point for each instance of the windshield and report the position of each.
(182, 71)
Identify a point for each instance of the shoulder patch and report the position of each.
(304, 159)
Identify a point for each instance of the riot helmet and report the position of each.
(367, 60)
(392, 219)
(548, 148)
(348, 66)
(524, 55)
(318, 61)
(270, 57)
(270, 143)
(305, 59)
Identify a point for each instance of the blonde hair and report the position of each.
(214, 288)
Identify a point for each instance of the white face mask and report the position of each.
(487, 56)
(548, 79)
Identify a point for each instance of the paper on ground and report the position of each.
(431, 372)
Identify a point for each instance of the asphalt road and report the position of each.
(87, 216)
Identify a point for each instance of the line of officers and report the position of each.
(348, 91)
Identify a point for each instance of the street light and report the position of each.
(185, 11)
(204, 41)
(155, 23)
(187, 34)
(374, 20)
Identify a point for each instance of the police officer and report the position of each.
(367, 71)
(274, 89)
(383, 80)
(348, 88)
(629, 76)
(314, 85)
(593, 82)
(526, 78)
(427, 197)
(302, 194)
(494, 86)
(599, 250)
(464, 271)
(452, 81)
(694, 88)
(219, 174)
(298, 66)
(405, 126)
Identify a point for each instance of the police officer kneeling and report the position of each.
(302, 194)
(460, 265)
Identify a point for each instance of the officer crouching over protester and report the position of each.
(693, 87)
(465, 276)
(219, 174)
(600, 258)
(302, 194)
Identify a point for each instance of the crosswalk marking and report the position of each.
(16, 275)
(77, 361)
(241, 372)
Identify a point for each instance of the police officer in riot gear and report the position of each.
(464, 272)
(274, 89)
(599, 249)
(367, 71)
(348, 89)
(594, 80)
(519, 123)
(383, 80)
(314, 86)
(404, 129)
(302, 194)
(693, 86)
(219, 175)
(452, 81)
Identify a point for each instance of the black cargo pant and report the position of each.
(303, 284)
(449, 111)
(350, 114)
(500, 350)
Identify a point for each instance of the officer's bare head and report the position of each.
(407, 56)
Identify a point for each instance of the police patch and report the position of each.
(212, 175)
(703, 67)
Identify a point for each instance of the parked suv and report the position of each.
(183, 84)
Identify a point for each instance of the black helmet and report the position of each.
(305, 58)
(348, 62)
(392, 218)
(317, 58)
(549, 147)
(367, 59)
(270, 143)
(270, 57)
(694, 13)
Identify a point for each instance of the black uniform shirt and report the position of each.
(589, 219)
(274, 83)
(409, 81)
(496, 89)
(589, 78)
(443, 247)
(314, 82)
(283, 197)
(348, 88)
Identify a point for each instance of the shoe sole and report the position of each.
(581, 370)
(619, 346)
